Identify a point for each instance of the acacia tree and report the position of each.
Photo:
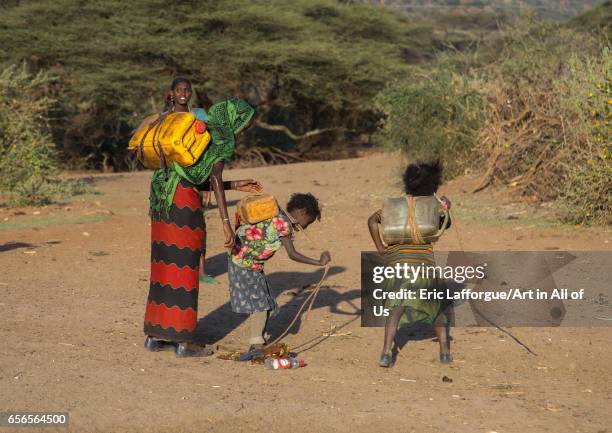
(310, 67)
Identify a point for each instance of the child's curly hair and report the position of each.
(305, 201)
(423, 178)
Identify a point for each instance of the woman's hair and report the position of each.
(179, 80)
(423, 178)
(305, 201)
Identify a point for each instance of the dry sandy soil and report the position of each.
(75, 279)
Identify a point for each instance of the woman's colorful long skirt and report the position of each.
(176, 245)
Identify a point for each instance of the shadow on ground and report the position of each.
(298, 285)
(13, 246)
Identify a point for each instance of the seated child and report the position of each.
(257, 243)
(420, 179)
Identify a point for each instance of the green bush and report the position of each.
(437, 116)
(545, 132)
(28, 157)
(586, 101)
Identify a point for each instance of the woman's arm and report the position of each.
(216, 181)
(300, 258)
(227, 185)
(373, 223)
(247, 185)
(244, 185)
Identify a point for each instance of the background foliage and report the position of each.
(535, 116)
(304, 64)
(28, 157)
(433, 117)
(524, 102)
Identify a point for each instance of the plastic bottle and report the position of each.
(283, 363)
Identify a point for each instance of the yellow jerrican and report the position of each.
(258, 207)
(172, 135)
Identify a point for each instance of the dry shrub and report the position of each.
(522, 140)
(547, 135)
(257, 156)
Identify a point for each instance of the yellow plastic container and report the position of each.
(256, 208)
(171, 137)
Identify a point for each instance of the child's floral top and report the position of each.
(258, 242)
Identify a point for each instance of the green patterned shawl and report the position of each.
(225, 120)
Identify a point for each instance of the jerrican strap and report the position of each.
(144, 137)
(411, 219)
(162, 157)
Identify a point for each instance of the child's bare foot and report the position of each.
(446, 358)
(445, 354)
(386, 360)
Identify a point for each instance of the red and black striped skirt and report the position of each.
(176, 245)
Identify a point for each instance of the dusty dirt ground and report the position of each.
(75, 279)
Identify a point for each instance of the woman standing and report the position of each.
(177, 225)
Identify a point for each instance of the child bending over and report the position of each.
(257, 243)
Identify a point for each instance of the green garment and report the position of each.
(225, 120)
(416, 310)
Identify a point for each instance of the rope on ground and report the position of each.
(310, 298)
(491, 322)
(504, 331)
(315, 341)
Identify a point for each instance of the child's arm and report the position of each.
(445, 203)
(373, 223)
(300, 258)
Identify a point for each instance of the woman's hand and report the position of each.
(383, 249)
(230, 239)
(325, 258)
(248, 185)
